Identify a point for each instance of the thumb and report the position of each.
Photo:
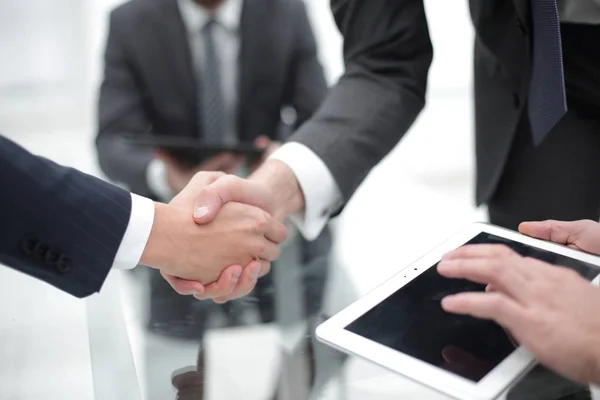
(540, 230)
(230, 188)
(555, 231)
(262, 142)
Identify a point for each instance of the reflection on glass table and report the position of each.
(146, 350)
(149, 343)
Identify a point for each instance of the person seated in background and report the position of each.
(552, 311)
(221, 71)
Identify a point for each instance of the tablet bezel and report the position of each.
(333, 331)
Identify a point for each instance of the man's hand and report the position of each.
(550, 310)
(179, 176)
(274, 178)
(239, 235)
(274, 181)
(581, 235)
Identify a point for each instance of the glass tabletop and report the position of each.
(148, 343)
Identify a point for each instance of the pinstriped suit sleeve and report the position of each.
(58, 224)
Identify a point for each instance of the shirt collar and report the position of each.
(194, 16)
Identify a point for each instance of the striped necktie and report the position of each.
(547, 95)
(212, 105)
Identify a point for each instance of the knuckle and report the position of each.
(565, 275)
(536, 318)
(496, 270)
(258, 249)
(217, 175)
(498, 303)
(538, 289)
(228, 179)
(261, 221)
(503, 251)
(227, 183)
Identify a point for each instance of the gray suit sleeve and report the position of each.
(387, 54)
(121, 112)
(307, 87)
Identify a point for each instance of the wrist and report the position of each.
(283, 185)
(159, 244)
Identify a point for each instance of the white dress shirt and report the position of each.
(228, 17)
(322, 196)
(321, 192)
(137, 233)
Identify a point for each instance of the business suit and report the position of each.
(388, 52)
(58, 224)
(151, 86)
(383, 90)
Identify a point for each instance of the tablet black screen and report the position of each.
(413, 322)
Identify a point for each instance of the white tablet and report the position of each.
(402, 326)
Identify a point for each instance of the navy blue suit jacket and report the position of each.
(58, 224)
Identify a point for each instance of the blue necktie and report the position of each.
(547, 95)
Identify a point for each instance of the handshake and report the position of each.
(220, 233)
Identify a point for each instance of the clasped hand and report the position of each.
(227, 253)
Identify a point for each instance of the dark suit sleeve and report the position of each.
(58, 224)
(387, 54)
(121, 112)
(306, 88)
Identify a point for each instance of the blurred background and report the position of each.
(55, 347)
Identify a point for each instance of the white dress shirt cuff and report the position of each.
(322, 195)
(156, 176)
(137, 233)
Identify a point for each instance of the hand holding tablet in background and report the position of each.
(179, 175)
(402, 326)
(581, 235)
(553, 312)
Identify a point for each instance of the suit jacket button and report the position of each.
(52, 257)
(40, 251)
(63, 265)
(28, 246)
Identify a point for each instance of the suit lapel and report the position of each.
(173, 42)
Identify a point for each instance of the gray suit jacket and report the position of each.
(149, 85)
(388, 52)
